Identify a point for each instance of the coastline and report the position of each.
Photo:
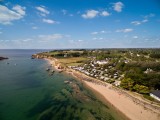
(3, 58)
(127, 104)
(116, 112)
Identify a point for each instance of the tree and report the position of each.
(155, 55)
(141, 89)
(120, 65)
(154, 82)
(127, 83)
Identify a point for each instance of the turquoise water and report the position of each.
(28, 92)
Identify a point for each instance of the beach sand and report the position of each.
(126, 105)
(132, 110)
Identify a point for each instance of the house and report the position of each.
(102, 62)
(131, 53)
(126, 61)
(155, 94)
(148, 70)
(106, 78)
(138, 55)
(65, 55)
(117, 83)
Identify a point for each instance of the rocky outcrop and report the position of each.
(38, 56)
(3, 58)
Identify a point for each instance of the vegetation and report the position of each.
(137, 69)
(72, 61)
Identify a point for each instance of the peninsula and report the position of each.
(125, 77)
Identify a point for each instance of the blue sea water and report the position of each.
(29, 92)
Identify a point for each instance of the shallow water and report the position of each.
(29, 92)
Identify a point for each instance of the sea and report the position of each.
(29, 92)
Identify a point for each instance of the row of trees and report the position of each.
(138, 66)
(155, 55)
(64, 54)
(131, 85)
(136, 80)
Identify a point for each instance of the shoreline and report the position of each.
(125, 103)
(105, 101)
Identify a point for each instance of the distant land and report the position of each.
(3, 58)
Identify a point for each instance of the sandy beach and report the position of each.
(132, 107)
(132, 110)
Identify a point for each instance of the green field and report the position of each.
(74, 61)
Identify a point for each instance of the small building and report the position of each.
(138, 55)
(126, 61)
(155, 94)
(117, 83)
(102, 62)
(148, 70)
(106, 78)
(65, 55)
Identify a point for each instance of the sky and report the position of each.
(63, 24)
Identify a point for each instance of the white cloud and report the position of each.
(100, 32)
(139, 22)
(90, 14)
(118, 6)
(34, 27)
(149, 16)
(94, 38)
(19, 9)
(71, 15)
(1, 32)
(64, 12)
(105, 13)
(27, 39)
(135, 37)
(94, 13)
(51, 37)
(99, 38)
(145, 20)
(67, 36)
(80, 40)
(42, 10)
(8, 15)
(136, 22)
(103, 31)
(49, 21)
(125, 30)
(94, 33)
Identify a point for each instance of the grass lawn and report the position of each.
(73, 61)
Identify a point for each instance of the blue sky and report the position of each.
(57, 24)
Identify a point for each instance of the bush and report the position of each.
(141, 89)
(127, 83)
